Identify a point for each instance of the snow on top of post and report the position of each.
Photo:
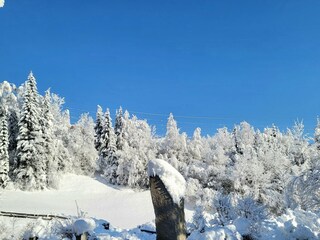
(171, 178)
(83, 225)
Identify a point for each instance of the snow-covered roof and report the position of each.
(171, 178)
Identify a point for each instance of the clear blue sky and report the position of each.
(256, 60)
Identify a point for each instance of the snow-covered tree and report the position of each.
(30, 171)
(317, 134)
(4, 144)
(48, 141)
(174, 145)
(118, 128)
(9, 100)
(277, 168)
(13, 135)
(108, 156)
(304, 191)
(111, 161)
(81, 146)
(98, 129)
(137, 150)
(298, 149)
(61, 127)
(107, 131)
(196, 145)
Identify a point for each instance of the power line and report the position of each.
(181, 116)
(164, 115)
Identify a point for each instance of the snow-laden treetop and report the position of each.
(171, 178)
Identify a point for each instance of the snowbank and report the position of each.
(171, 178)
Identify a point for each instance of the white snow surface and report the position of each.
(171, 178)
(1, 3)
(122, 207)
(126, 208)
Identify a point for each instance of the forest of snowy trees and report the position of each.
(269, 169)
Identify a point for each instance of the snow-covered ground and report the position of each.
(122, 207)
(126, 209)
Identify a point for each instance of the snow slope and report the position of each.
(123, 208)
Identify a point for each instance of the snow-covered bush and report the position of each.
(293, 224)
(304, 191)
(226, 210)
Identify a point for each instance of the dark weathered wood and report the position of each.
(33, 238)
(170, 218)
(148, 231)
(30, 215)
(83, 236)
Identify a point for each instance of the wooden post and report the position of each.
(170, 219)
(83, 236)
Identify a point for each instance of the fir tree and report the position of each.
(174, 145)
(195, 146)
(109, 152)
(48, 144)
(4, 144)
(317, 134)
(31, 164)
(105, 134)
(112, 158)
(13, 134)
(98, 128)
(118, 128)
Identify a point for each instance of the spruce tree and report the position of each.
(109, 150)
(13, 129)
(48, 144)
(4, 144)
(98, 128)
(112, 158)
(30, 171)
(317, 134)
(105, 134)
(174, 144)
(118, 128)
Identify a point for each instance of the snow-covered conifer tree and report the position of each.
(118, 128)
(109, 151)
(4, 144)
(105, 134)
(136, 152)
(61, 127)
(48, 142)
(112, 159)
(98, 128)
(30, 171)
(13, 134)
(298, 147)
(9, 101)
(174, 145)
(317, 134)
(196, 145)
